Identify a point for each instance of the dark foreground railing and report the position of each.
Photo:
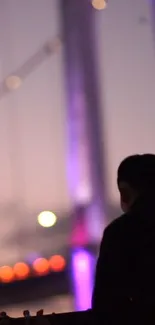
(84, 318)
(73, 318)
(80, 318)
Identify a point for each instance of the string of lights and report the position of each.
(14, 81)
(40, 267)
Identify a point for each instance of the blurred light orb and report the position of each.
(13, 82)
(99, 4)
(6, 274)
(41, 266)
(21, 270)
(47, 219)
(57, 263)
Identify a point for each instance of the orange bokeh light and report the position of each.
(57, 263)
(41, 266)
(21, 270)
(6, 274)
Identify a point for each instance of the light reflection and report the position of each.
(82, 268)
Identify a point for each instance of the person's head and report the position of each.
(136, 178)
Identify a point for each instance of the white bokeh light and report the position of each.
(47, 219)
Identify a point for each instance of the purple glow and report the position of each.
(32, 257)
(94, 223)
(82, 267)
(79, 235)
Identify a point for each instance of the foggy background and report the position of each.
(33, 119)
(126, 64)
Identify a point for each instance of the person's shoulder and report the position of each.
(118, 225)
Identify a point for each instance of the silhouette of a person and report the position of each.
(125, 272)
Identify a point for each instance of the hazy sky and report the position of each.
(33, 158)
(32, 123)
(126, 54)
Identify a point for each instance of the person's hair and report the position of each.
(138, 171)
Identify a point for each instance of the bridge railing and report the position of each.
(73, 318)
(82, 318)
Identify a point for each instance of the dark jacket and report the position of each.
(125, 272)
